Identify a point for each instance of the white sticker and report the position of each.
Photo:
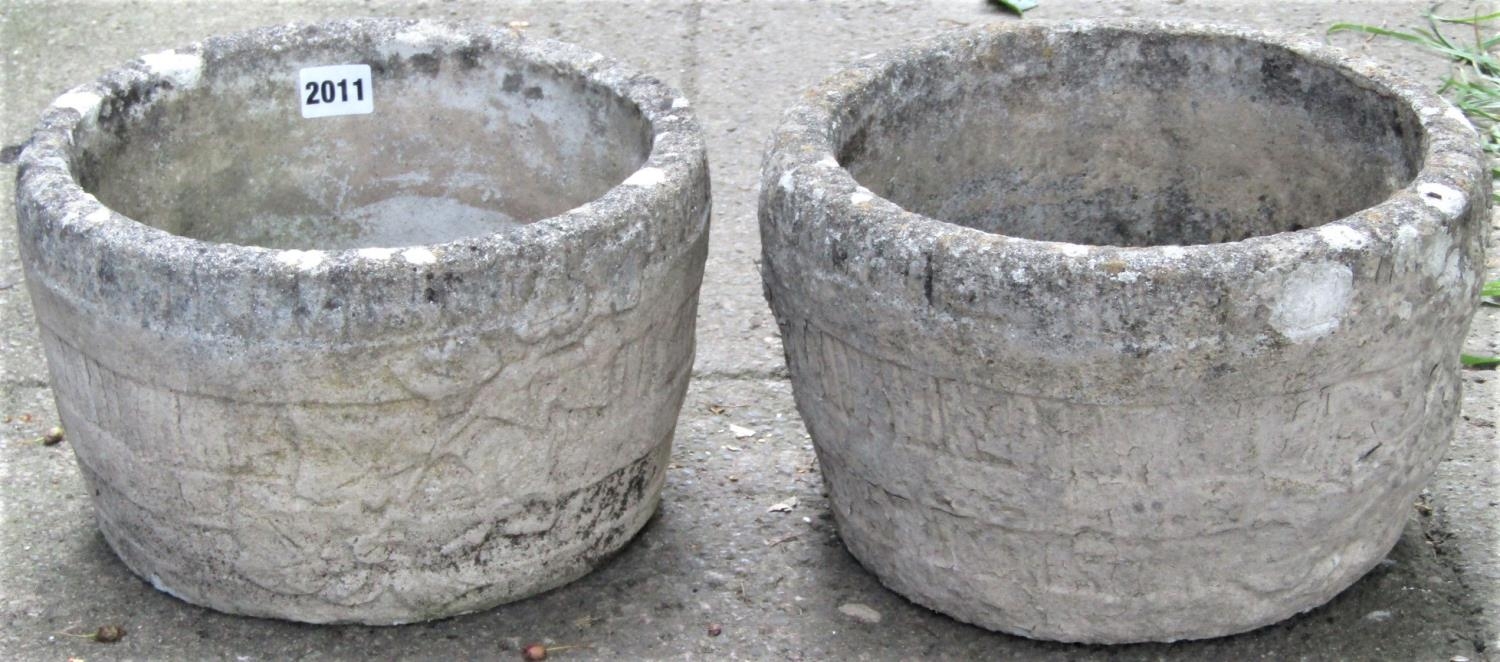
(340, 89)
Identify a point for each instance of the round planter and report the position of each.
(1123, 331)
(378, 367)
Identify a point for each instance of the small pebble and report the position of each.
(714, 629)
(860, 612)
(109, 634)
(784, 506)
(1379, 616)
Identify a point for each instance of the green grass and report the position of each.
(1472, 361)
(1491, 290)
(1473, 86)
(1017, 7)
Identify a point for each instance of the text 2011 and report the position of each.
(337, 89)
(330, 92)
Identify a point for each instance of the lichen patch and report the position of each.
(1172, 252)
(84, 103)
(373, 253)
(646, 177)
(304, 260)
(182, 69)
(421, 38)
(419, 256)
(1443, 198)
(787, 182)
(1073, 250)
(1441, 261)
(1312, 301)
(1342, 237)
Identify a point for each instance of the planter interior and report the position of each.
(1171, 140)
(461, 143)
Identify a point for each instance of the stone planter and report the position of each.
(1113, 332)
(378, 367)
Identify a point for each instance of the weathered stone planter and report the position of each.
(1113, 332)
(375, 368)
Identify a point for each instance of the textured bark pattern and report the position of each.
(392, 511)
(1001, 507)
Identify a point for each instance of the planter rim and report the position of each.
(802, 158)
(44, 172)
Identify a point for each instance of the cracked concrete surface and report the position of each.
(774, 581)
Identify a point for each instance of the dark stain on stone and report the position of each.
(839, 255)
(468, 57)
(854, 147)
(532, 92)
(1277, 72)
(106, 272)
(10, 153)
(614, 495)
(436, 292)
(426, 63)
(927, 279)
(113, 114)
(511, 83)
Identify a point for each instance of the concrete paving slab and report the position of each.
(774, 581)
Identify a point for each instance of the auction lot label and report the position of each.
(340, 89)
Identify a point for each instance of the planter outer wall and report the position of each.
(380, 435)
(1103, 443)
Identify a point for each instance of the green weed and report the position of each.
(1017, 7)
(1474, 83)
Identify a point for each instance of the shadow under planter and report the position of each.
(371, 367)
(1123, 331)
